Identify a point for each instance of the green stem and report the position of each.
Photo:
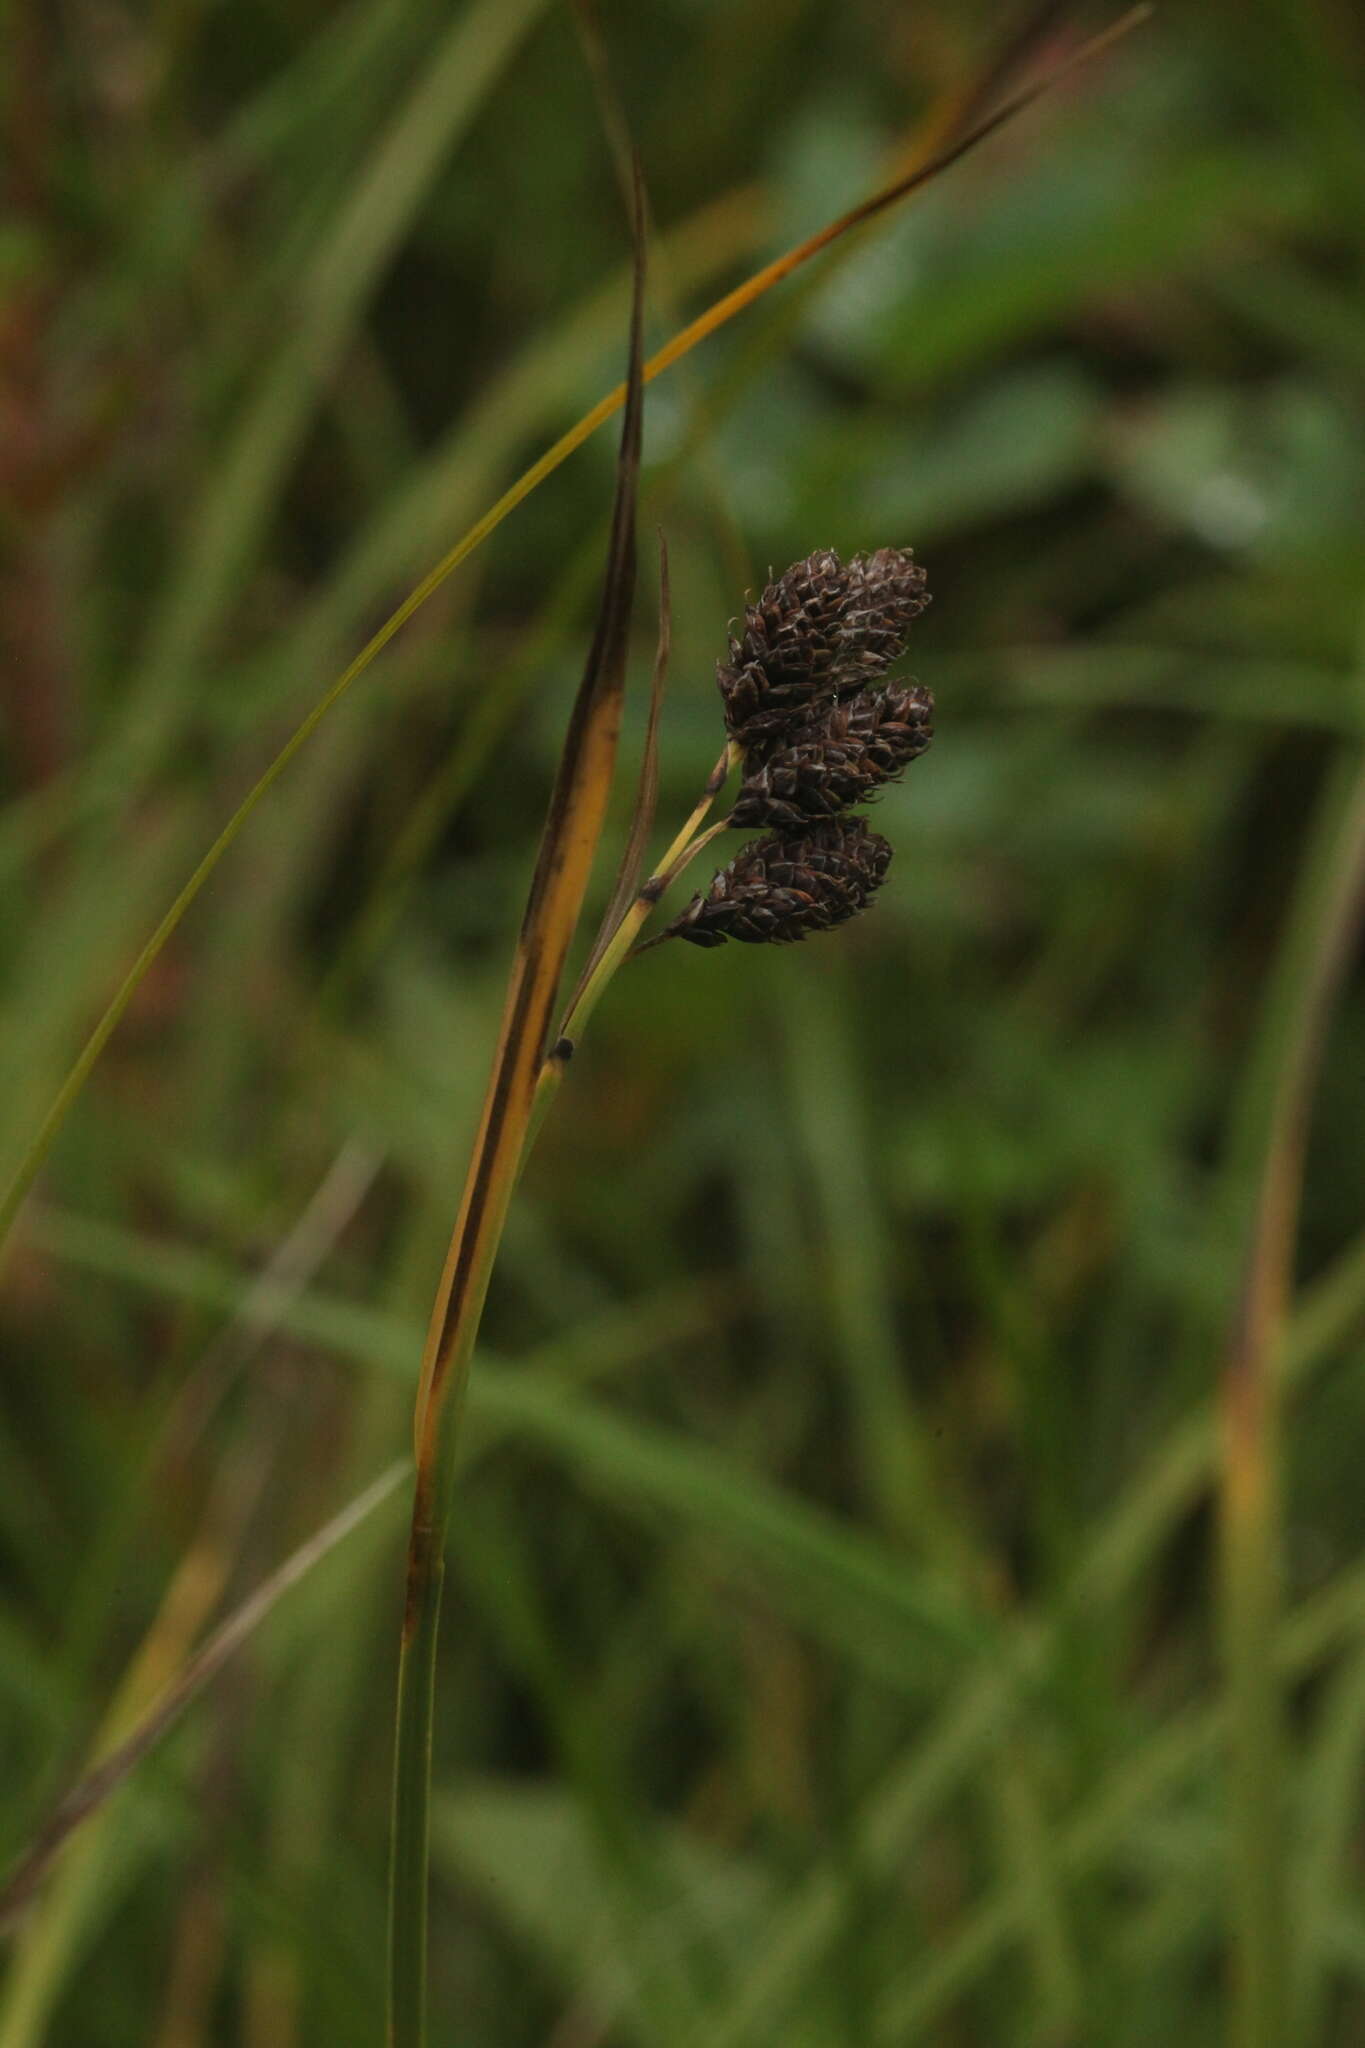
(626, 933)
(685, 848)
(1269, 1157)
(412, 1788)
(431, 1508)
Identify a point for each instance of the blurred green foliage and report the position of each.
(831, 1652)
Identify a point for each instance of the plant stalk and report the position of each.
(689, 842)
(412, 1787)
(1323, 925)
(450, 1349)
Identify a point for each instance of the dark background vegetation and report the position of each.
(832, 1648)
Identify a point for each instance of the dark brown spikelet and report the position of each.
(783, 662)
(823, 630)
(778, 889)
(838, 760)
(886, 595)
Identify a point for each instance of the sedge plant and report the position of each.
(815, 728)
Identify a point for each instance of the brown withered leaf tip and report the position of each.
(838, 760)
(820, 632)
(778, 889)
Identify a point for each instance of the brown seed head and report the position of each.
(886, 595)
(840, 759)
(778, 889)
(823, 630)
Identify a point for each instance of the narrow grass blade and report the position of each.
(91, 1791)
(1325, 1878)
(849, 1588)
(904, 1492)
(1323, 923)
(453, 85)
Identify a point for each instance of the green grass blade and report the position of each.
(453, 84)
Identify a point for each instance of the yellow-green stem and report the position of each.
(685, 848)
(626, 933)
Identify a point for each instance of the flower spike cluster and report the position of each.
(820, 731)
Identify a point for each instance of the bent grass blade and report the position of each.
(573, 827)
(930, 166)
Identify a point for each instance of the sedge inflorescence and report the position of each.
(819, 731)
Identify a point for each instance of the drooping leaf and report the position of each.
(573, 826)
